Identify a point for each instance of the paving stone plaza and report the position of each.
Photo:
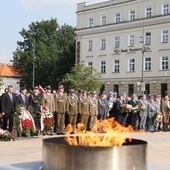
(26, 153)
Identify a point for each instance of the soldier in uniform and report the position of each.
(102, 105)
(48, 99)
(60, 99)
(93, 111)
(84, 108)
(35, 101)
(72, 109)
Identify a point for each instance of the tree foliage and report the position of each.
(52, 49)
(81, 77)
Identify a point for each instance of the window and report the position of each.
(165, 9)
(131, 65)
(130, 89)
(148, 12)
(103, 44)
(164, 36)
(116, 66)
(103, 20)
(90, 45)
(164, 63)
(117, 17)
(147, 64)
(103, 67)
(148, 38)
(117, 42)
(116, 88)
(90, 64)
(131, 40)
(91, 24)
(132, 15)
(147, 89)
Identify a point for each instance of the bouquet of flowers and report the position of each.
(126, 108)
(47, 120)
(5, 135)
(137, 108)
(26, 122)
(142, 108)
(158, 119)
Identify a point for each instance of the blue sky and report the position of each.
(18, 14)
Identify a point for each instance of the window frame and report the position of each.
(164, 63)
(147, 64)
(117, 18)
(131, 40)
(102, 67)
(164, 36)
(91, 22)
(148, 12)
(103, 44)
(131, 65)
(167, 10)
(116, 66)
(90, 45)
(117, 42)
(90, 64)
(103, 21)
(132, 16)
(148, 38)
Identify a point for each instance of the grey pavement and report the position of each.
(26, 153)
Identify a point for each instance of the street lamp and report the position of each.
(144, 49)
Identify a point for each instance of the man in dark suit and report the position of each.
(22, 98)
(134, 114)
(8, 106)
(116, 111)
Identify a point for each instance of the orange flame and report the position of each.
(108, 133)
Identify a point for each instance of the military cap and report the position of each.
(133, 95)
(71, 91)
(93, 92)
(48, 87)
(110, 93)
(35, 88)
(124, 93)
(60, 87)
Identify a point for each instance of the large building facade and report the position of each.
(128, 42)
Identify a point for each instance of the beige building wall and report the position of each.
(156, 79)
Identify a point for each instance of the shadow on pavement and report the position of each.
(22, 166)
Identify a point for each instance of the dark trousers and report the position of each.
(10, 117)
(122, 118)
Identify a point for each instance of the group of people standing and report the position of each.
(87, 107)
(146, 113)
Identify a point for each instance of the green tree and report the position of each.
(81, 77)
(47, 45)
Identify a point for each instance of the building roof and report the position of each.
(8, 71)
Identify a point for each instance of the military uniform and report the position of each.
(84, 110)
(93, 112)
(60, 99)
(35, 101)
(48, 100)
(72, 109)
